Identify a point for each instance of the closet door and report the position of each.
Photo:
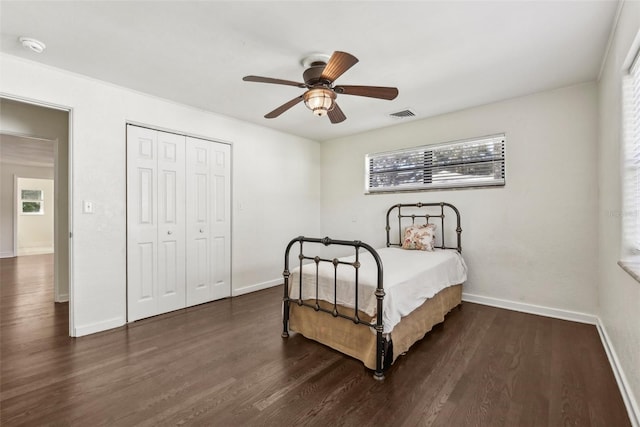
(171, 222)
(155, 222)
(208, 221)
(199, 265)
(142, 220)
(221, 222)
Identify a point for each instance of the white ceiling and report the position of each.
(442, 56)
(26, 151)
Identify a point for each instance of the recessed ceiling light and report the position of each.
(35, 45)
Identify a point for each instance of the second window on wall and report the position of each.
(32, 202)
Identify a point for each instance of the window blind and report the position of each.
(631, 167)
(469, 163)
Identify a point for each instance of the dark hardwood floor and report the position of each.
(224, 364)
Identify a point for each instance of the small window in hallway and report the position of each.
(32, 202)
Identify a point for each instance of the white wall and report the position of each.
(533, 241)
(35, 232)
(276, 184)
(619, 294)
(8, 197)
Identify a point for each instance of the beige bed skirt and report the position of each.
(358, 341)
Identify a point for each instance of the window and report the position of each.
(32, 202)
(631, 166)
(475, 162)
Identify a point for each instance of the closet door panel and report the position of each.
(221, 224)
(171, 222)
(208, 221)
(199, 263)
(142, 219)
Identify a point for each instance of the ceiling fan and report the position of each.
(321, 94)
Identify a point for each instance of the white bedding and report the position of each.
(410, 278)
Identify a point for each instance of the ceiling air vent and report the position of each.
(403, 114)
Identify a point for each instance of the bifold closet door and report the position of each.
(208, 221)
(155, 222)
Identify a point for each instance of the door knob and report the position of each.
(201, 230)
(169, 232)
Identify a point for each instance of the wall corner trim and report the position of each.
(629, 399)
(103, 325)
(610, 39)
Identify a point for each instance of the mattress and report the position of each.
(409, 279)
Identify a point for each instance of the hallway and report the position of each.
(29, 319)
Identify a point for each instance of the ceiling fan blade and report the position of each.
(336, 115)
(337, 65)
(370, 91)
(259, 79)
(284, 107)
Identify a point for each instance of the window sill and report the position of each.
(632, 268)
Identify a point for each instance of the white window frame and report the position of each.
(39, 200)
(631, 156)
(414, 169)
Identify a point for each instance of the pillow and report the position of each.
(420, 237)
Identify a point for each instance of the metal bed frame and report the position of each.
(383, 346)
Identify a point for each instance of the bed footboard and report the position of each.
(333, 309)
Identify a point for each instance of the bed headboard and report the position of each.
(401, 216)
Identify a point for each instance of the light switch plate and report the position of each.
(87, 206)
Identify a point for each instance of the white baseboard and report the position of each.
(256, 287)
(7, 255)
(557, 313)
(62, 298)
(92, 328)
(35, 251)
(623, 384)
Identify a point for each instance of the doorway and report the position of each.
(35, 214)
(34, 152)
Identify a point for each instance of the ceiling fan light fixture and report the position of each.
(319, 100)
(319, 78)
